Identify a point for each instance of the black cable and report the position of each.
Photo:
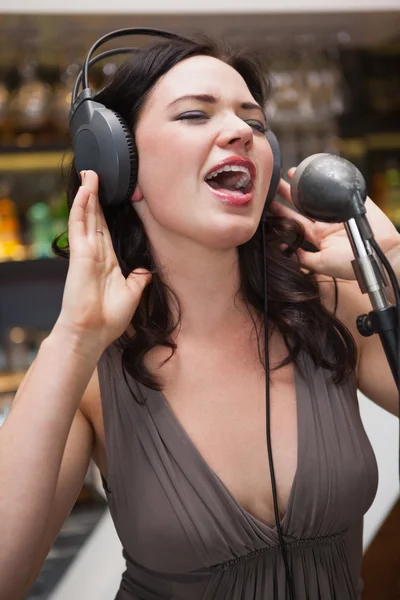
(396, 291)
(268, 420)
(122, 32)
(96, 59)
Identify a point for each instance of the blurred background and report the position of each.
(336, 88)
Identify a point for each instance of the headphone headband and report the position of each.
(93, 61)
(84, 74)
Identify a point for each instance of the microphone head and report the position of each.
(328, 188)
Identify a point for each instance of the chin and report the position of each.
(225, 237)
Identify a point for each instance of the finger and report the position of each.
(77, 215)
(102, 223)
(284, 190)
(90, 181)
(138, 279)
(89, 184)
(279, 209)
(282, 210)
(310, 260)
(91, 218)
(96, 221)
(291, 172)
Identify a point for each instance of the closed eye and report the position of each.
(258, 125)
(194, 115)
(199, 116)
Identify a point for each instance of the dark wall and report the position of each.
(31, 293)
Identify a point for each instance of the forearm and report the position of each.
(393, 257)
(33, 439)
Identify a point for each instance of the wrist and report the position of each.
(77, 342)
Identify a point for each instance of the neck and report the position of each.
(206, 283)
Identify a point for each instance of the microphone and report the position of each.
(331, 189)
(328, 188)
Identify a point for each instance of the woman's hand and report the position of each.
(98, 301)
(335, 254)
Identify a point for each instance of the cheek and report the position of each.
(151, 169)
(167, 166)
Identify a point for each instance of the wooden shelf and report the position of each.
(383, 141)
(34, 161)
(10, 382)
(359, 146)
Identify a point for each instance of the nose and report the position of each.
(236, 134)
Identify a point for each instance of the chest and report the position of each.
(219, 399)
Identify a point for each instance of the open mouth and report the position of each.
(232, 179)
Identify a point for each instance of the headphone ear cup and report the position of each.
(133, 156)
(103, 143)
(276, 169)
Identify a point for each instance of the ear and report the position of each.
(137, 194)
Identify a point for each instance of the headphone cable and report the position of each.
(268, 419)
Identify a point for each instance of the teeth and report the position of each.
(232, 168)
(243, 182)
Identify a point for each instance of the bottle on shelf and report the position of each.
(59, 217)
(385, 186)
(30, 103)
(392, 176)
(10, 244)
(40, 230)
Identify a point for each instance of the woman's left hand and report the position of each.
(335, 254)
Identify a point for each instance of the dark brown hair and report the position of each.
(294, 303)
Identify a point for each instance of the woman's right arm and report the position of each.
(32, 443)
(98, 304)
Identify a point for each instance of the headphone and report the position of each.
(103, 142)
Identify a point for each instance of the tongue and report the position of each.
(232, 192)
(226, 181)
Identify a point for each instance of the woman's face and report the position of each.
(199, 114)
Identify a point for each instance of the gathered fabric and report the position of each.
(184, 535)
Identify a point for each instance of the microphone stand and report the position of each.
(344, 193)
(372, 280)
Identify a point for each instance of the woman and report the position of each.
(155, 364)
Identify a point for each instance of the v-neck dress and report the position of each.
(185, 537)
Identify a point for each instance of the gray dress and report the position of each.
(184, 535)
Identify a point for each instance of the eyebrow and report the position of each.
(209, 99)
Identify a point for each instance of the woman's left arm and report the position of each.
(333, 259)
(374, 376)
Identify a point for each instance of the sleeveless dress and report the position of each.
(184, 535)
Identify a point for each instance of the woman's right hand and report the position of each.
(98, 301)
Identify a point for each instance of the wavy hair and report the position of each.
(294, 304)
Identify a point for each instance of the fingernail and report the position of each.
(82, 174)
